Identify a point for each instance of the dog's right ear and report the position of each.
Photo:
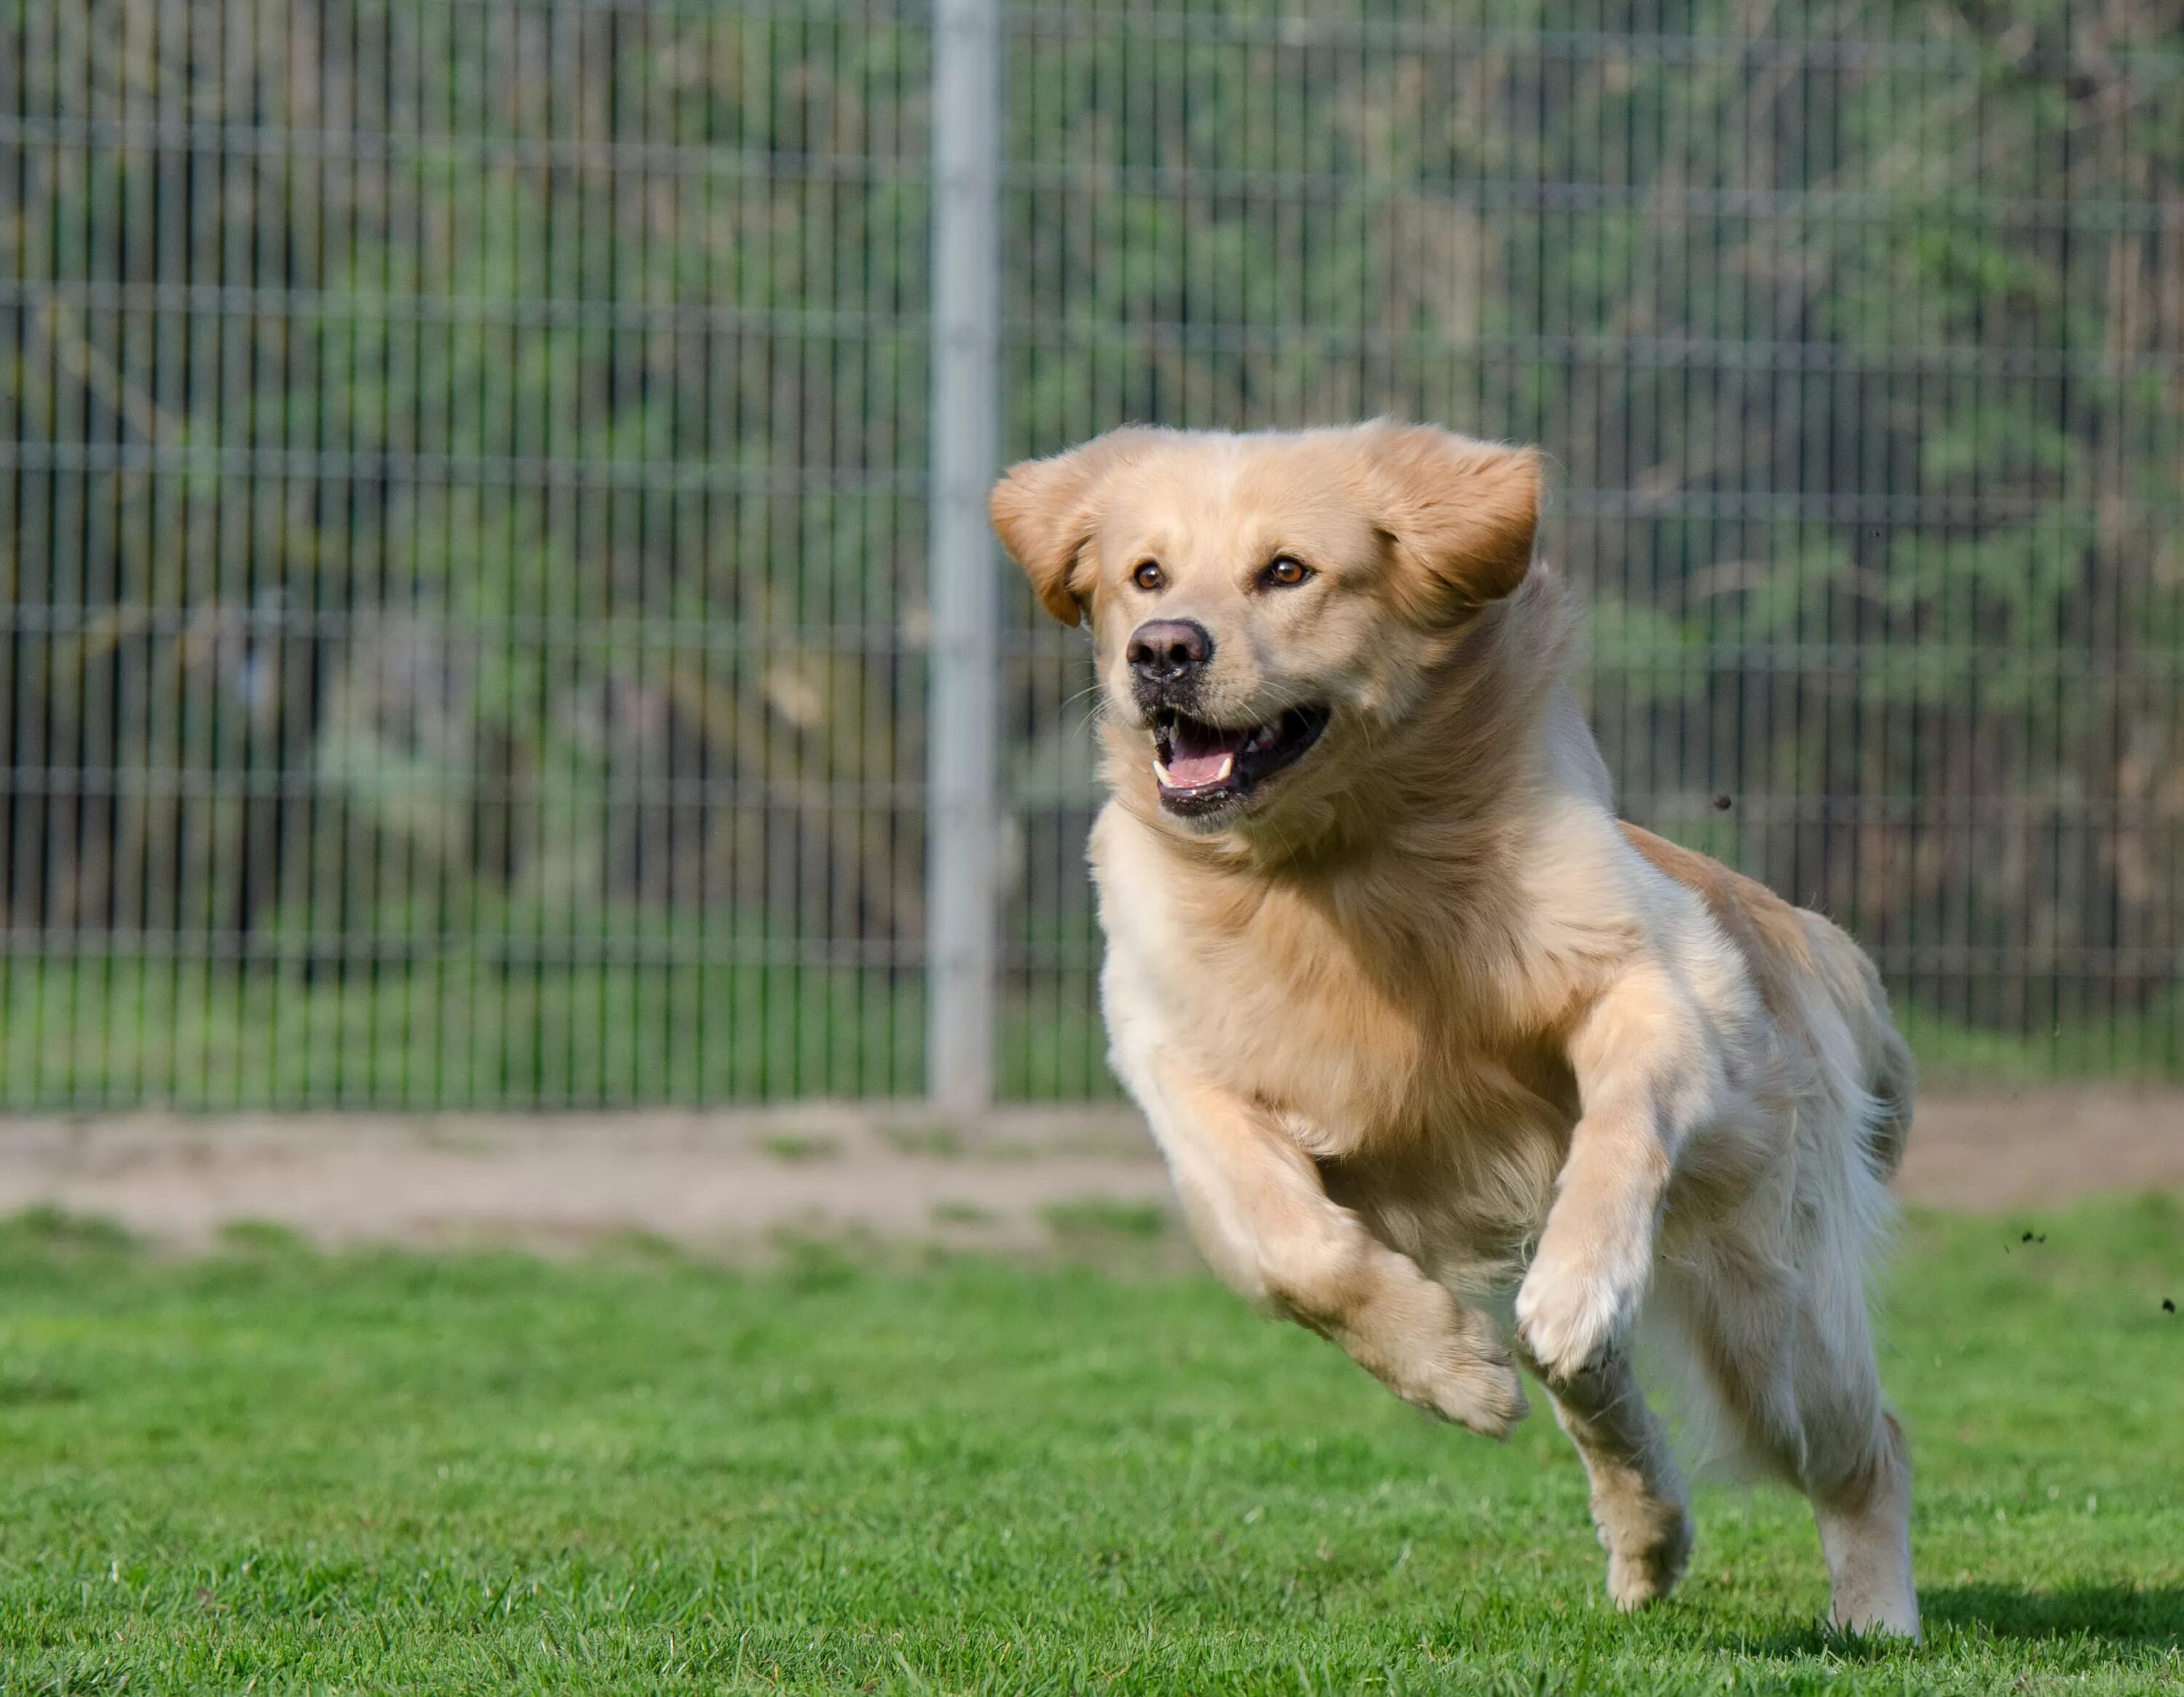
(1045, 511)
(1462, 513)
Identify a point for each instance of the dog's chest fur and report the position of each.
(1415, 1070)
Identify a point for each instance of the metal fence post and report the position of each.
(962, 922)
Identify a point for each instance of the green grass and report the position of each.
(462, 1032)
(272, 1470)
(465, 1032)
(796, 1146)
(458, 1032)
(2143, 1046)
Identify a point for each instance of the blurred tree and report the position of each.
(465, 457)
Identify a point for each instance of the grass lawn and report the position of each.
(274, 1470)
(464, 1031)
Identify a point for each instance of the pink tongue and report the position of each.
(1197, 755)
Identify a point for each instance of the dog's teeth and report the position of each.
(1161, 772)
(1228, 765)
(1260, 739)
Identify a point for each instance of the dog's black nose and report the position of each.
(1168, 650)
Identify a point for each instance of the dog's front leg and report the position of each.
(1259, 1211)
(1646, 1072)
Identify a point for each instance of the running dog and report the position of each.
(1418, 1023)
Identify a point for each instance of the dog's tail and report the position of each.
(1888, 1071)
(1895, 1083)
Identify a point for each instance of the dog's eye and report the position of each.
(1149, 576)
(1286, 573)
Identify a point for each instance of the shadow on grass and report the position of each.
(2125, 1621)
(2136, 1615)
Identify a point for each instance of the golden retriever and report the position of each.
(1416, 1021)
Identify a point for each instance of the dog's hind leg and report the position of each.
(1638, 1498)
(1789, 1352)
(1857, 1468)
(1864, 1516)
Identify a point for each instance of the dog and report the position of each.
(1416, 1021)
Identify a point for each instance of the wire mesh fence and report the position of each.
(464, 495)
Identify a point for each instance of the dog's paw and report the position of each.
(1648, 1542)
(1455, 1365)
(1644, 1573)
(1570, 1317)
(1477, 1394)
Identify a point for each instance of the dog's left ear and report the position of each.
(1461, 513)
(1045, 511)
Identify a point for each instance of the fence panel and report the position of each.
(466, 477)
(1859, 344)
(464, 474)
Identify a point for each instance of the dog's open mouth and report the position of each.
(1202, 766)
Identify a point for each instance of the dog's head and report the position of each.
(1267, 611)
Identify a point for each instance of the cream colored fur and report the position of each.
(1423, 1024)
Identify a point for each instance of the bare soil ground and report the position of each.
(727, 1181)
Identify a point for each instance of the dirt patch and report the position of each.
(723, 1180)
(2026, 1148)
(714, 1180)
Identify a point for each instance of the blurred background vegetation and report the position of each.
(462, 470)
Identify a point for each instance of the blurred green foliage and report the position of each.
(465, 471)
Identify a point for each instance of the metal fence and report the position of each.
(467, 476)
